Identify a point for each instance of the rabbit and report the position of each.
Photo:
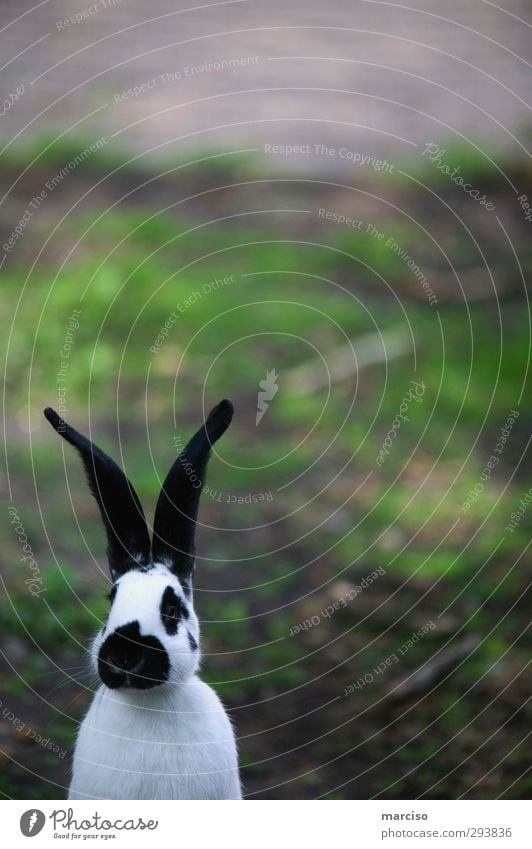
(154, 730)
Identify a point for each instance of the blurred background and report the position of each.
(322, 212)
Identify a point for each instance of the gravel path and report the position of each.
(363, 78)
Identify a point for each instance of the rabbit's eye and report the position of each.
(172, 610)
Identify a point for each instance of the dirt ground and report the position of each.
(322, 729)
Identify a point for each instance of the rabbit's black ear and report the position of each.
(127, 533)
(177, 508)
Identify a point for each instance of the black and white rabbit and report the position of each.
(154, 730)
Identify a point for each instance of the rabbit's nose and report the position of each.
(126, 660)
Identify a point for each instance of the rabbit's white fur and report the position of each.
(173, 741)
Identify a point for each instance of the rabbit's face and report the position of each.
(151, 635)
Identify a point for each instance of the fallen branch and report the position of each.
(346, 360)
(433, 670)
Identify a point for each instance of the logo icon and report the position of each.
(269, 391)
(32, 822)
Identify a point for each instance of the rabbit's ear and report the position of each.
(177, 508)
(127, 533)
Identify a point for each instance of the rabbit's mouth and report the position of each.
(129, 659)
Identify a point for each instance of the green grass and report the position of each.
(479, 164)
(52, 152)
(68, 609)
(130, 296)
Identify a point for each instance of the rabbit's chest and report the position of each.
(153, 754)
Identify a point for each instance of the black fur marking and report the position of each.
(112, 594)
(129, 659)
(176, 513)
(192, 642)
(128, 540)
(172, 611)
